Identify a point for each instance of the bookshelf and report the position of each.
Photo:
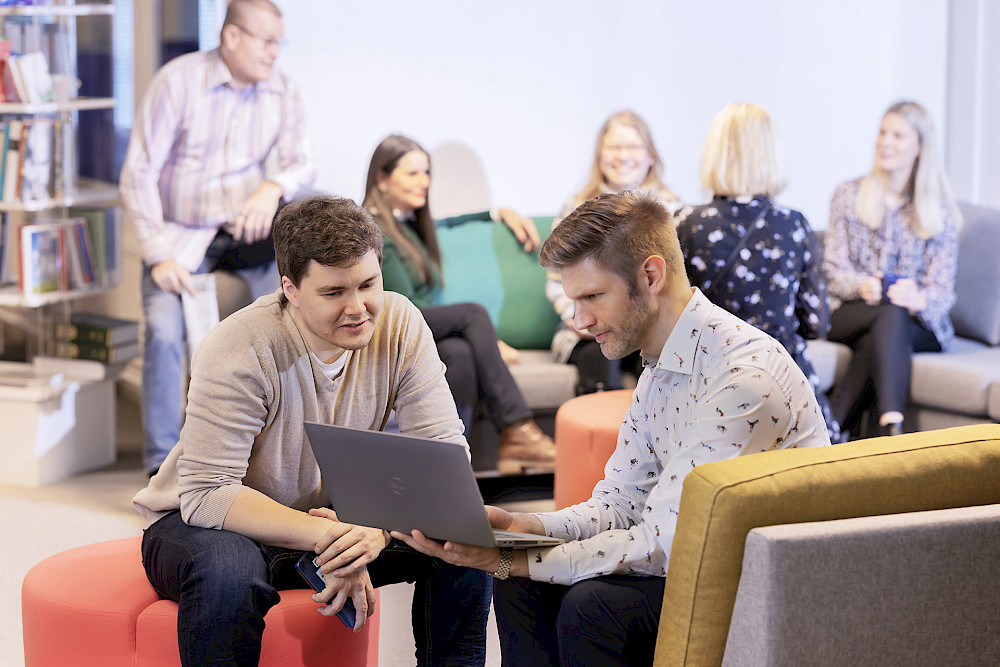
(38, 104)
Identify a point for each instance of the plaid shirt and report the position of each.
(201, 146)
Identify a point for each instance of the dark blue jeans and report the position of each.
(224, 583)
(601, 621)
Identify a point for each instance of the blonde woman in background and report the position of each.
(890, 257)
(748, 254)
(625, 158)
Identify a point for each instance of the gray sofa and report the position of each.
(962, 386)
(917, 588)
(483, 263)
(820, 589)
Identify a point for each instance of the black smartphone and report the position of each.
(310, 571)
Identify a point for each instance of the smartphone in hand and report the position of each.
(310, 571)
(887, 281)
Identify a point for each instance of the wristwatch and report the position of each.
(503, 570)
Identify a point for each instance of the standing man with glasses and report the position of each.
(219, 142)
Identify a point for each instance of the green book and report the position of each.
(96, 329)
(106, 354)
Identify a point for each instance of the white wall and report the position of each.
(973, 151)
(525, 84)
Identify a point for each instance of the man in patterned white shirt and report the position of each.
(713, 388)
(219, 140)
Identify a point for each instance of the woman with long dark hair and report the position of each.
(399, 176)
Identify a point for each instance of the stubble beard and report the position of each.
(624, 338)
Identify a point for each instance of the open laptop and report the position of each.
(401, 482)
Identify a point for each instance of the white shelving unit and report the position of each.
(64, 422)
(37, 312)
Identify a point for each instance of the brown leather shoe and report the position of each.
(523, 448)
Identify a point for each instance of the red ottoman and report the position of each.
(586, 434)
(93, 606)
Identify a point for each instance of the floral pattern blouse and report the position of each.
(854, 251)
(776, 282)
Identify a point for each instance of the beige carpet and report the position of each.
(37, 522)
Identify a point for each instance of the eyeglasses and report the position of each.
(627, 149)
(268, 43)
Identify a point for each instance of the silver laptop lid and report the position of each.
(400, 482)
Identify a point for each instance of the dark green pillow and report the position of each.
(484, 263)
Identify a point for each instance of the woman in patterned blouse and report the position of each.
(625, 158)
(890, 261)
(749, 255)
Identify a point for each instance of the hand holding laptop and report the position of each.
(481, 558)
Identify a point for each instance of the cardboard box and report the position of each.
(53, 427)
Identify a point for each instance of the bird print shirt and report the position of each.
(720, 388)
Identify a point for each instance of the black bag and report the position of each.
(227, 254)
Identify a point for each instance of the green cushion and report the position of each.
(484, 263)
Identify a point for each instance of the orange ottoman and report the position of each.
(93, 606)
(586, 435)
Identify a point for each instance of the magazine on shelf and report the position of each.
(55, 255)
(36, 169)
(34, 69)
(42, 258)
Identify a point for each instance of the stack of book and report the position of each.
(60, 254)
(98, 337)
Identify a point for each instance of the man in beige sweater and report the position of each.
(240, 497)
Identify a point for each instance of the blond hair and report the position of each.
(742, 154)
(596, 184)
(927, 187)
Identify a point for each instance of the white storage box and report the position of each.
(54, 425)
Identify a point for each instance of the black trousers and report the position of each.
(883, 338)
(603, 621)
(476, 373)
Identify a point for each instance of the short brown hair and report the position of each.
(331, 230)
(619, 231)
